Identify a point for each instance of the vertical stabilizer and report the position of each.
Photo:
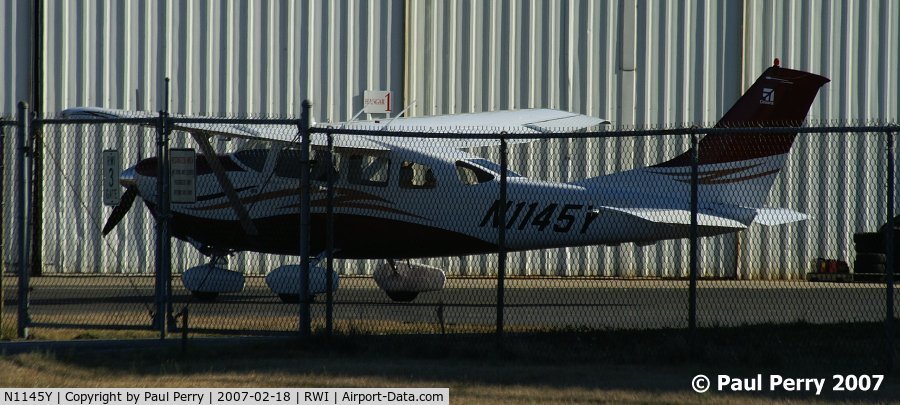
(736, 169)
(779, 98)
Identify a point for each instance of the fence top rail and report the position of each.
(485, 132)
(100, 121)
(254, 121)
(175, 120)
(7, 122)
(616, 133)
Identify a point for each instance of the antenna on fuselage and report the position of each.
(354, 117)
(386, 124)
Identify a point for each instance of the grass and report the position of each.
(560, 366)
(234, 326)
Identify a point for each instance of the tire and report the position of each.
(865, 259)
(883, 232)
(869, 278)
(883, 228)
(868, 269)
(868, 242)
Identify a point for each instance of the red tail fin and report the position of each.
(779, 98)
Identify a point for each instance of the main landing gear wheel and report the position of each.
(403, 282)
(207, 281)
(400, 296)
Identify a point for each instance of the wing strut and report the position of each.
(210, 154)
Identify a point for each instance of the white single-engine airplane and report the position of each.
(406, 197)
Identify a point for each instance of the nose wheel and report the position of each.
(207, 281)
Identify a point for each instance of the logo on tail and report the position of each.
(768, 96)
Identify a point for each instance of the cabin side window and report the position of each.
(368, 170)
(416, 175)
(255, 159)
(470, 174)
(322, 168)
(288, 164)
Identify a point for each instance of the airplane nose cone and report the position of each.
(127, 178)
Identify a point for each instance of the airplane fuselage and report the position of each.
(382, 212)
(405, 188)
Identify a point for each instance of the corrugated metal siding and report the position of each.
(684, 66)
(691, 61)
(15, 43)
(639, 63)
(839, 180)
(223, 58)
(9, 189)
(468, 56)
(15, 74)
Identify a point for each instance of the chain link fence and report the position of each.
(7, 278)
(427, 236)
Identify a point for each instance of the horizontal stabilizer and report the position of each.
(105, 113)
(675, 216)
(778, 216)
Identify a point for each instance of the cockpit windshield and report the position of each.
(255, 144)
(255, 159)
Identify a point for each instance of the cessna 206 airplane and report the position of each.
(407, 197)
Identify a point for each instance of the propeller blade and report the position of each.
(120, 210)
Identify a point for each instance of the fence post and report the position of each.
(2, 240)
(37, 197)
(891, 255)
(329, 239)
(501, 238)
(305, 321)
(22, 163)
(37, 141)
(163, 241)
(694, 235)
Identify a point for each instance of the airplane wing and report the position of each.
(778, 216)
(517, 122)
(282, 133)
(675, 216)
(731, 217)
(520, 122)
(532, 121)
(97, 112)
